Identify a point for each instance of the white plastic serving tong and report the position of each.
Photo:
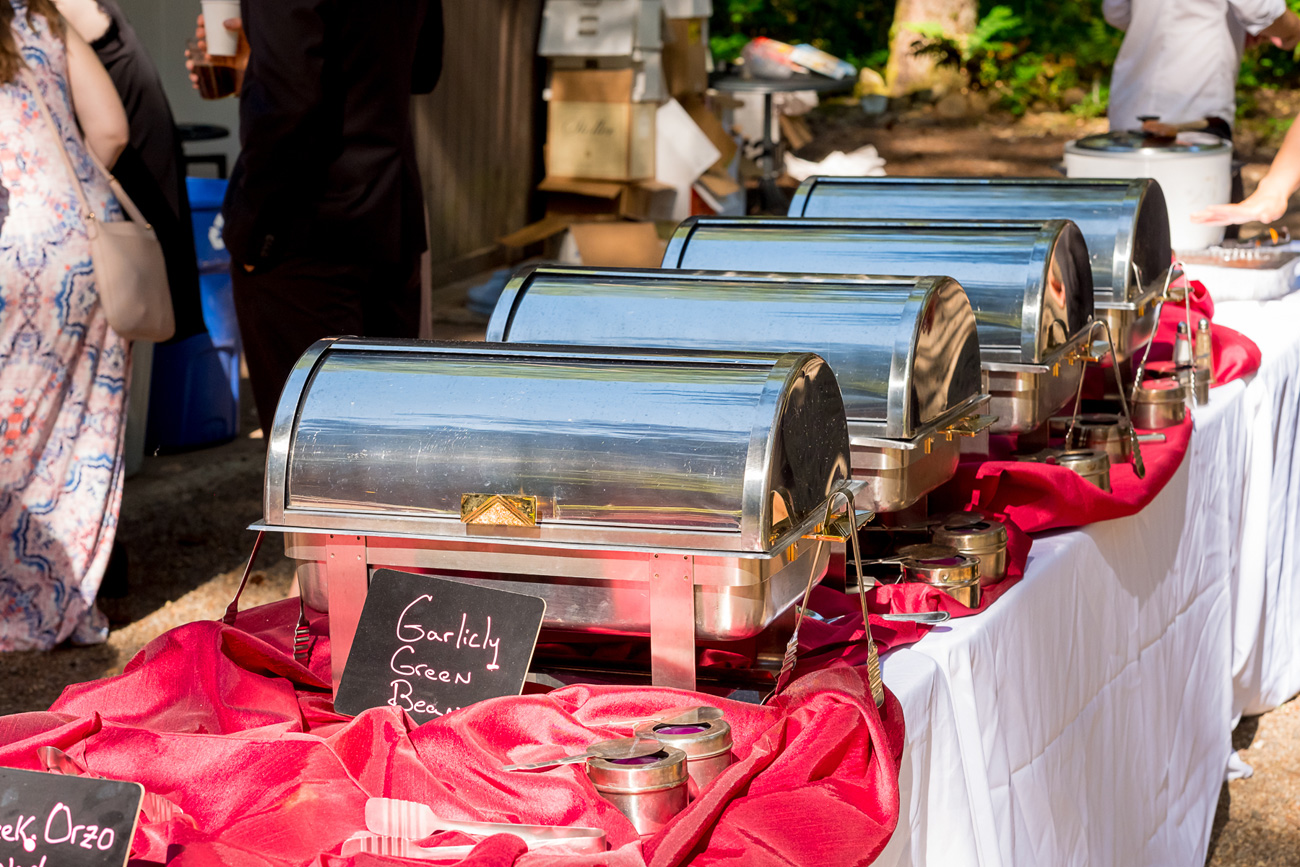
(393, 826)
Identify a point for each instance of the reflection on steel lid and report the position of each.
(1136, 142)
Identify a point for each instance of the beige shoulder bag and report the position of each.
(130, 272)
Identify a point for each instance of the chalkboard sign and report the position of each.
(432, 645)
(52, 820)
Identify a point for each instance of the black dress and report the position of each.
(151, 169)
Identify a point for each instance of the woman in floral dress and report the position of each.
(63, 371)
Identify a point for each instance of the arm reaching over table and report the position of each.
(1269, 201)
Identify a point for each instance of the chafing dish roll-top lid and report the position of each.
(1124, 221)
(904, 350)
(1028, 282)
(618, 449)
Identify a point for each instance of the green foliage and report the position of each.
(1024, 52)
(856, 30)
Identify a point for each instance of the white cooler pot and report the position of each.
(1194, 171)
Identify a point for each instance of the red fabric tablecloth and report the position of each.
(1040, 496)
(225, 723)
(844, 634)
(1235, 354)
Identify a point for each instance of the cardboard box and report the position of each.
(600, 28)
(613, 245)
(648, 82)
(686, 56)
(639, 200)
(683, 152)
(688, 8)
(595, 131)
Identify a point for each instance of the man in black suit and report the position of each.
(324, 214)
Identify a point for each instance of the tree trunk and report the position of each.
(908, 72)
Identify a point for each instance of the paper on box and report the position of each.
(682, 153)
(688, 8)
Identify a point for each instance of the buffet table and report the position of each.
(1087, 717)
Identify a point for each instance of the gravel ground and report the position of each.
(184, 517)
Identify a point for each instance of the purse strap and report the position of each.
(87, 212)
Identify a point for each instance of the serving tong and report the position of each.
(393, 826)
(835, 530)
(619, 748)
(1139, 465)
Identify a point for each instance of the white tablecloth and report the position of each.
(1088, 713)
(1266, 509)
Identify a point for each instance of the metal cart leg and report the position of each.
(672, 621)
(349, 579)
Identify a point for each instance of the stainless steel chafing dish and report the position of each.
(1029, 285)
(904, 350)
(638, 492)
(1125, 223)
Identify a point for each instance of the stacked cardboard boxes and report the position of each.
(628, 130)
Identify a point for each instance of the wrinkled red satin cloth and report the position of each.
(1234, 354)
(844, 634)
(224, 722)
(1040, 496)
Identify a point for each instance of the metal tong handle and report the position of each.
(549, 763)
(1164, 296)
(927, 617)
(1139, 466)
(232, 610)
(792, 646)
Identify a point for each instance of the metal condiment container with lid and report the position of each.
(1093, 466)
(1029, 285)
(974, 535)
(649, 790)
(1159, 403)
(707, 744)
(1204, 349)
(1098, 431)
(943, 567)
(1124, 222)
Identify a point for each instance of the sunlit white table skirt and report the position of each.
(1086, 718)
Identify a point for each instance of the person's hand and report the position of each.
(197, 51)
(1159, 129)
(1261, 207)
(1284, 32)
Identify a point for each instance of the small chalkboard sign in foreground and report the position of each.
(52, 820)
(432, 645)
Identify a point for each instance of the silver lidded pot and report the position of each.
(1159, 403)
(974, 535)
(706, 742)
(943, 567)
(649, 790)
(1094, 466)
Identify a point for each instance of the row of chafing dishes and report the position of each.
(653, 452)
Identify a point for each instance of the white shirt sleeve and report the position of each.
(1119, 13)
(1255, 15)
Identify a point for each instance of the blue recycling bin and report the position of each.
(194, 396)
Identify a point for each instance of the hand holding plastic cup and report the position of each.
(221, 42)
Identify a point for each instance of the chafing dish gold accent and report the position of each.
(498, 510)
